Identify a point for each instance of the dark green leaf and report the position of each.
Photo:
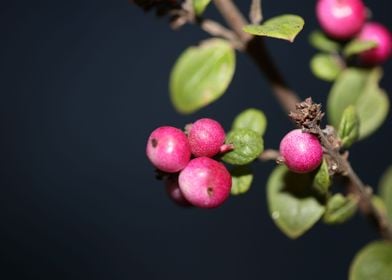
(201, 75)
(373, 262)
(326, 67)
(248, 145)
(200, 5)
(358, 46)
(322, 180)
(242, 178)
(284, 27)
(253, 119)
(385, 189)
(321, 42)
(292, 203)
(349, 126)
(359, 87)
(340, 209)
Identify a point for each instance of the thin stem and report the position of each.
(256, 12)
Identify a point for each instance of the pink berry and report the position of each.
(341, 19)
(378, 33)
(301, 151)
(205, 182)
(168, 149)
(175, 193)
(206, 136)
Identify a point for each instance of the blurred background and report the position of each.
(82, 85)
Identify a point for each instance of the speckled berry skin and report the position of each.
(205, 182)
(174, 192)
(301, 151)
(168, 149)
(341, 19)
(206, 136)
(373, 31)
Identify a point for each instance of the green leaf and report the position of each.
(248, 145)
(242, 178)
(340, 209)
(292, 203)
(325, 66)
(385, 190)
(321, 42)
(200, 5)
(284, 27)
(379, 204)
(359, 87)
(358, 46)
(201, 75)
(349, 126)
(251, 118)
(322, 180)
(373, 262)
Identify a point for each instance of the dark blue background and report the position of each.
(82, 85)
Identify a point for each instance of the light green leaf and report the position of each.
(284, 27)
(251, 118)
(379, 204)
(385, 190)
(349, 126)
(201, 75)
(373, 262)
(292, 203)
(321, 42)
(340, 209)
(200, 5)
(359, 87)
(322, 180)
(248, 145)
(325, 66)
(241, 177)
(358, 46)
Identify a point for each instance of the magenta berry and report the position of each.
(168, 149)
(205, 182)
(174, 192)
(378, 33)
(301, 151)
(341, 19)
(206, 136)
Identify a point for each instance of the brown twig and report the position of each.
(364, 192)
(257, 50)
(256, 12)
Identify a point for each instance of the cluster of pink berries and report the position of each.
(346, 19)
(194, 177)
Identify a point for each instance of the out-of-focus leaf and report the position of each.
(358, 46)
(349, 126)
(242, 178)
(359, 87)
(320, 41)
(373, 262)
(322, 180)
(385, 190)
(200, 5)
(201, 75)
(251, 118)
(292, 202)
(340, 209)
(325, 66)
